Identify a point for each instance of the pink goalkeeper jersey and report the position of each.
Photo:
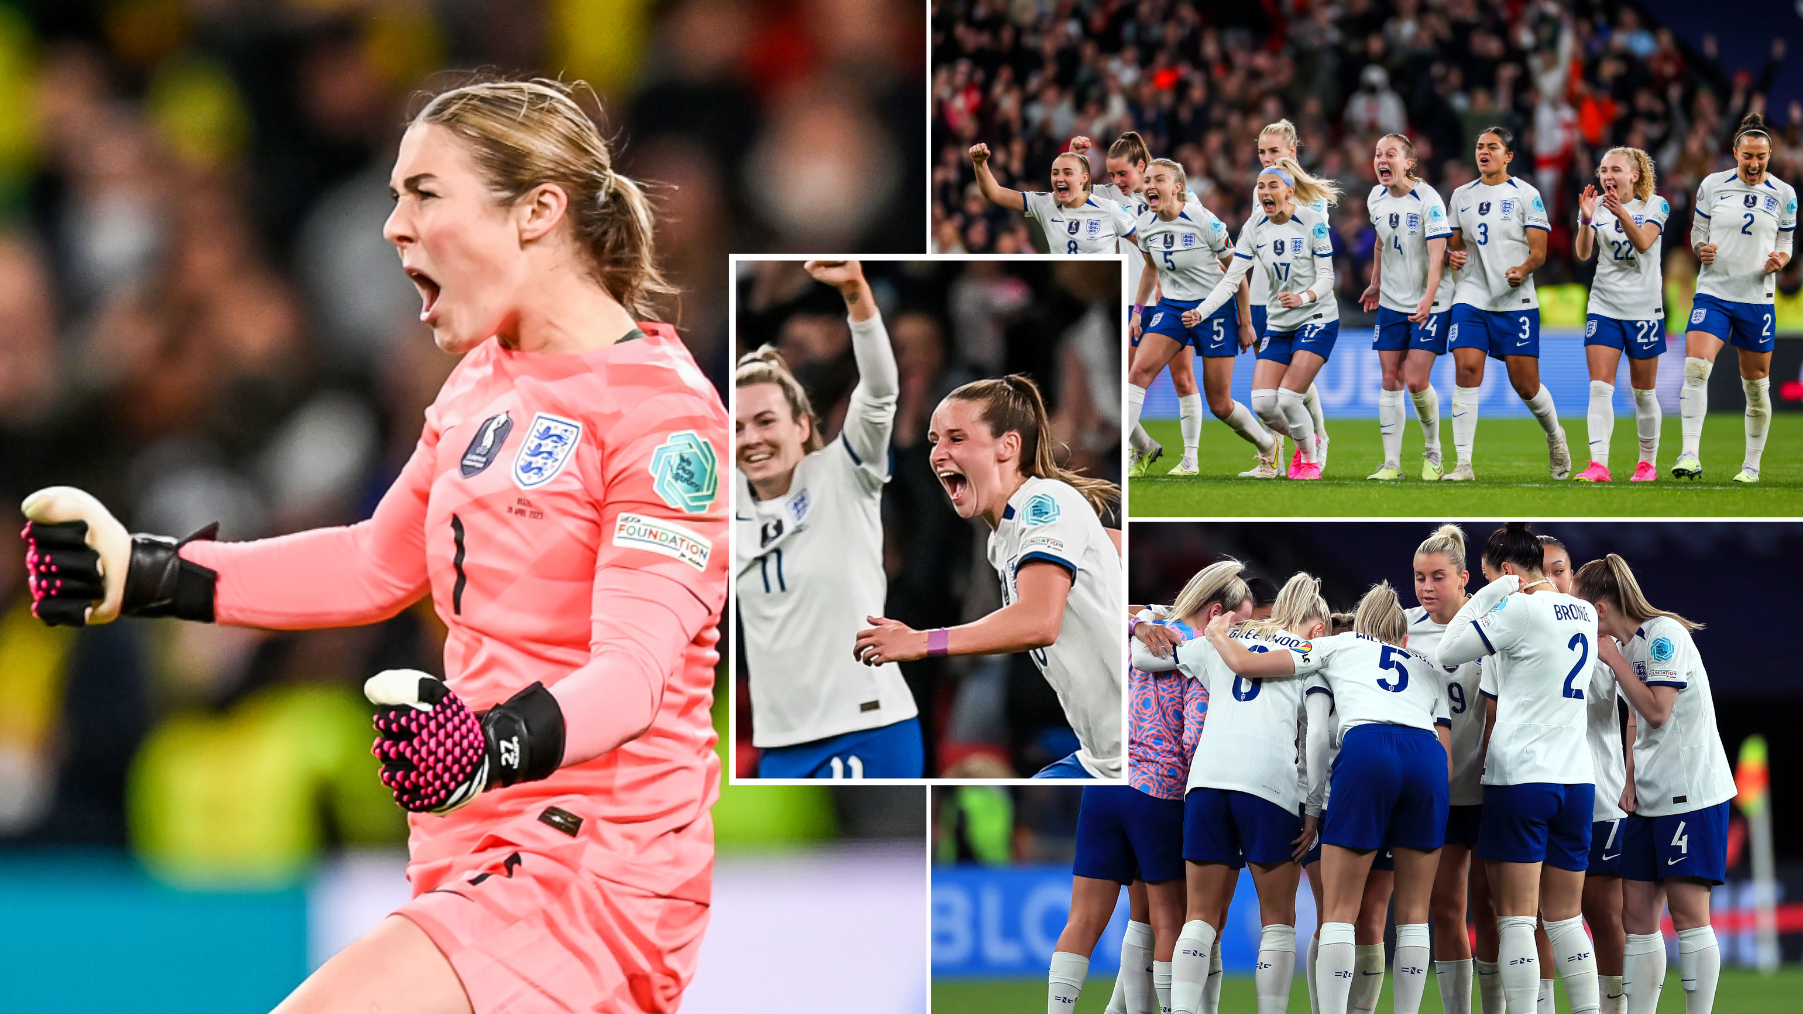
(563, 511)
(1165, 715)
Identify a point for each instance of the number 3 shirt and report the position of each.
(1495, 221)
(564, 513)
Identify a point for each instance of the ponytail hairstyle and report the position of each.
(1643, 164)
(1082, 160)
(1298, 604)
(1341, 623)
(1503, 134)
(767, 366)
(1408, 148)
(1611, 580)
(1753, 125)
(1174, 167)
(524, 134)
(1380, 615)
(1217, 582)
(1309, 189)
(1447, 541)
(1013, 404)
(1286, 130)
(1515, 543)
(1131, 147)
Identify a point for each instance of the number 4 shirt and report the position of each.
(1679, 766)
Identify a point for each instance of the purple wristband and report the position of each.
(939, 641)
(1139, 308)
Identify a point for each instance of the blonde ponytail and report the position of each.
(1298, 604)
(1217, 582)
(1611, 580)
(1309, 189)
(1013, 404)
(1380, 615)
(1447, 541)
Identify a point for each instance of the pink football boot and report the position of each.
(1597, 472)
(1645, 472)
(1308, 470)
(1295, 471)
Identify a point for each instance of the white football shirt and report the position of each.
(809, 570)
(1681, 765)
(1627, 285)
(1459, 683)
(1373, 683)
(1404, 225)
(1188, 250)
(1293, 256)
(1261, 285)
(1495, 221)
(1048, 520)
(1094, 227)
(1745, 224)
(1603, 731)
(1543, 646)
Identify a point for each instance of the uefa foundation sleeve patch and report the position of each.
(685, 472)
(635, 531)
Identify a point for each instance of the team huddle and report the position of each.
(828, 696)
(1381, 751)
(1448, 276)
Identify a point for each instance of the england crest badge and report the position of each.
(549, 444)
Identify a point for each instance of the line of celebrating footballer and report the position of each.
(1478, 725)
(1456, 276)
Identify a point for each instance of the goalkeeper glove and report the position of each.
(437, 755)
(83, 568)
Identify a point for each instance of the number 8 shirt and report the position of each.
(1094, 227)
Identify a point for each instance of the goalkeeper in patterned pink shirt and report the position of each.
(562, 509)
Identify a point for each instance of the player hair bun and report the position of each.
(769, 354)
(1753, 121)
(1514, 543)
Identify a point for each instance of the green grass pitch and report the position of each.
(1740, 992)
(1511, 475)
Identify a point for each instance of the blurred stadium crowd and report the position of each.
(200, 320)
(952, 322)
(1199, 80)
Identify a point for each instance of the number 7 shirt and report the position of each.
(564, 513)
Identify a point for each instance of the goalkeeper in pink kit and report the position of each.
(562, 509)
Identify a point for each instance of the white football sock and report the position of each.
(1410, 967)
(1241, 421)
(1189, 420)
(1490, 987)
(1211, 990)
(1161, 984)
(1136, 968)
(1575, 958)
(1464, 421)
(1427, 409)
(1520, 962)
(1295, 414)
(1602, 420)
(1454, 979)
(1614, 1000)
(1117, 1000)
(1368, 977)
(1264, 404)
(1390, 417)
(1136, 402)
(1333, 970)
(1189, 966)
(1693, 402)
(1312, 399)
(1543, 1002)
(1314, 960)
(1541, 404)
(1647, 419)
(1699, 966)
(1141, 440)
(1065, 981)
(1276, 968)
(1759, 419)
(1643, 971)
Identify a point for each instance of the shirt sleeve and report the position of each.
(1319, 709)
(870, 417)
(1658, 212)
(1699, 219)
(660, 571)
(1787, 219)
(1436, 221)
(331, 577)
(1035, 202)
(1486, 679)
(1054, 528)
(1452, 214)
(1533, 216)
(1668, 661)
(1218, 242)
(1124, 224)
(1320, 239)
